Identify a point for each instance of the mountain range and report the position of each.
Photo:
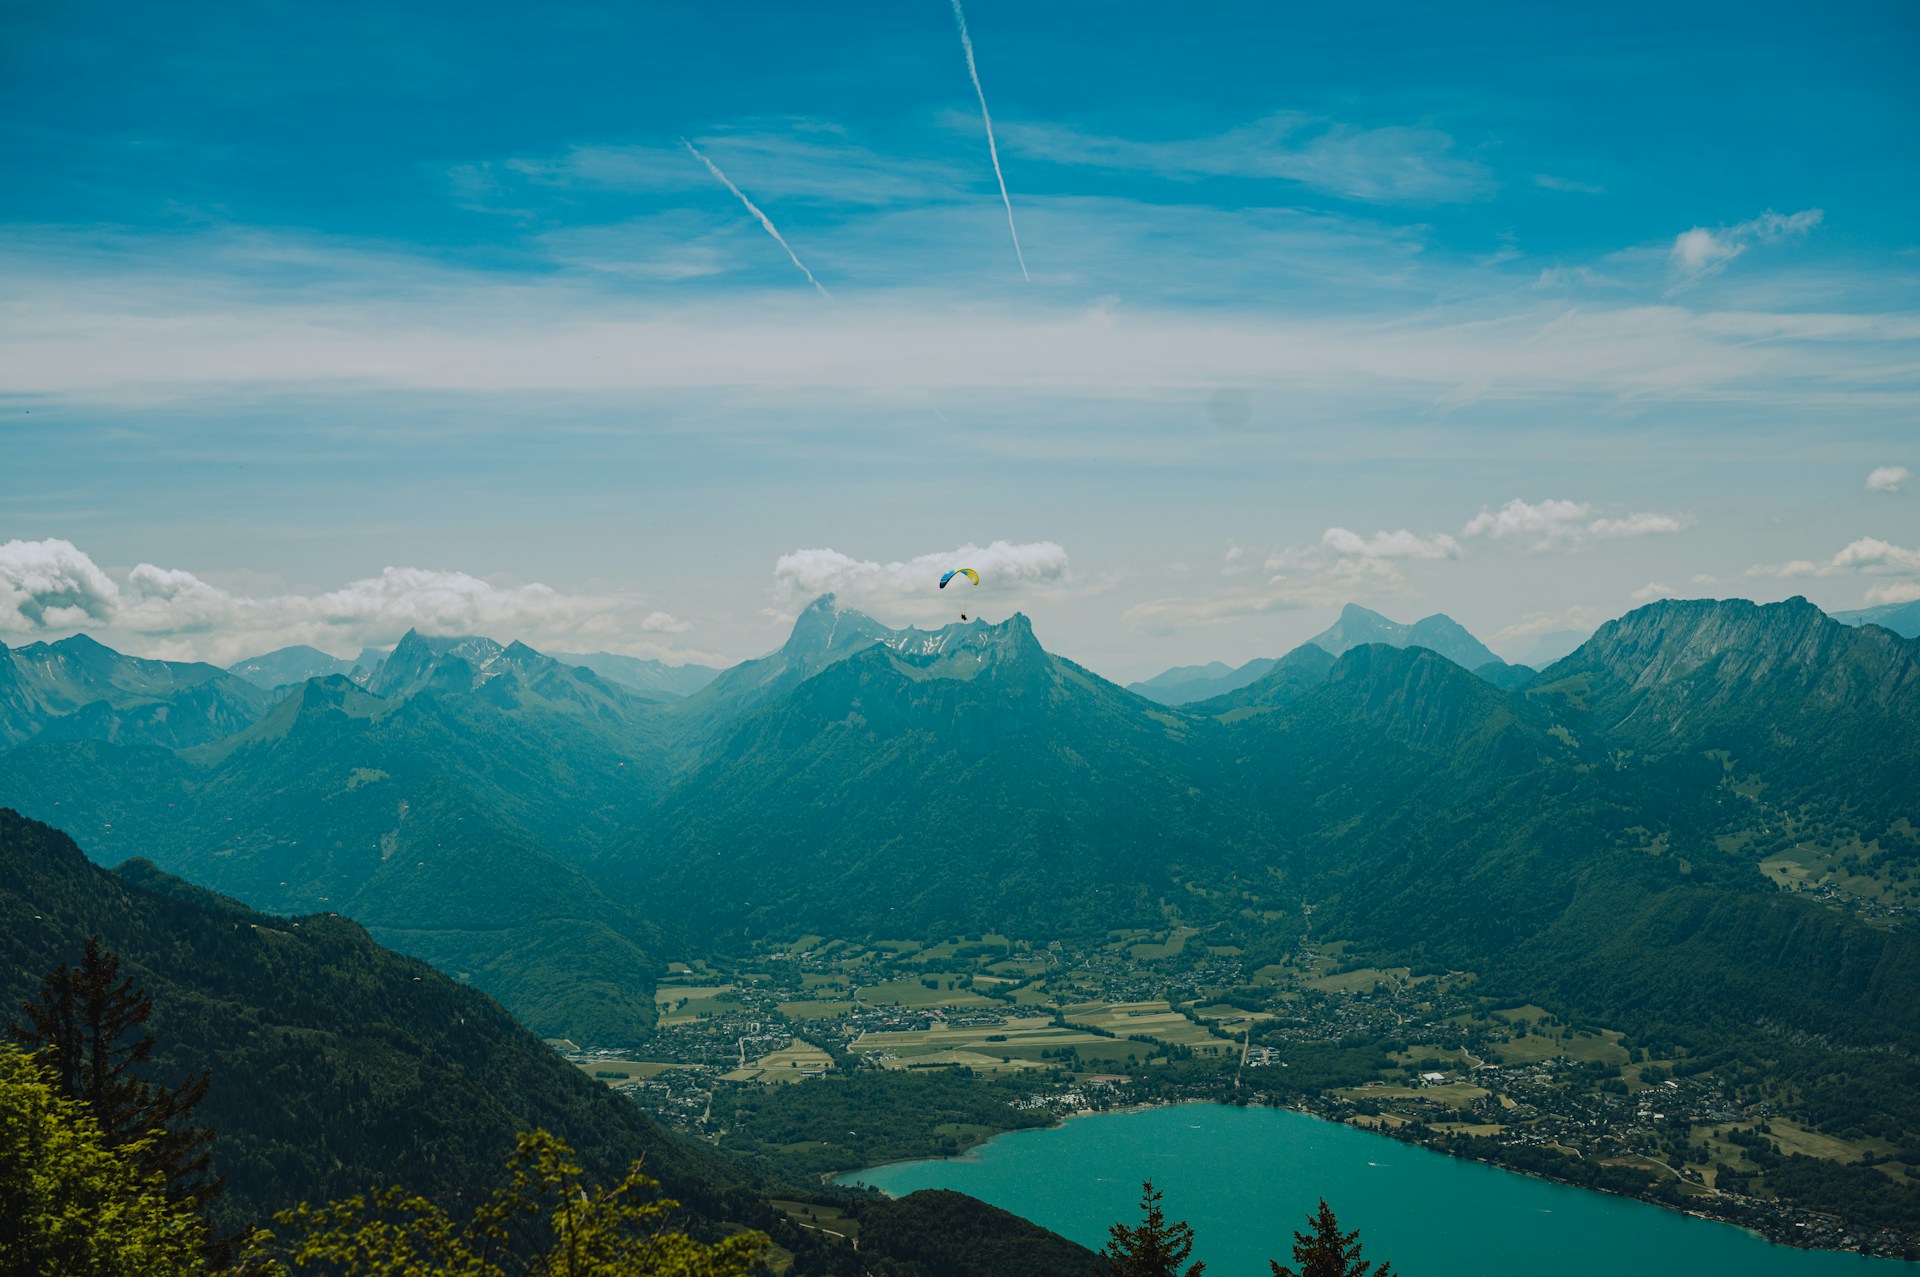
(1596, 834)
(1902, 618)
(1356, 627)
(79, 689)
(289, 665)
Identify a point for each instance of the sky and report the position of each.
(636, 327)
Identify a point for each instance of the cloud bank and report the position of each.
(1558, 524)
(53, 587)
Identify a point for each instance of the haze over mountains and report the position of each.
(1355, 627)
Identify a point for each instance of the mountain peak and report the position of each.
(1440, 633)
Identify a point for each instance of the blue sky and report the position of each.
(342, 318)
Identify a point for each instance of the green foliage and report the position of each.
(75, 1203)
(844, 1121)
(548, 1220)
(940, 1233)
(1151, 1248)
(1325, 1251)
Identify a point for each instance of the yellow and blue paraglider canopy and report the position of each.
(969, 573)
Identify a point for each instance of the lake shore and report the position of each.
(1226, 1152)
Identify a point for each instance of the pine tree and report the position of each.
(1153, 1248)
(89, 1029)
(1328, 1252)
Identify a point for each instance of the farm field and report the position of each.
(1010, 1044)
(1154, 1019)
(613, 1072)
(791, 1063)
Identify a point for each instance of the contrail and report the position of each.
(754, 209)
(966, 42)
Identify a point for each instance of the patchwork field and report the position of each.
(1359, 980)
(791, 1063)
(913, 991)
(680, 1003)
(613, 1072)
(1020, 1043)
(1157, 1020)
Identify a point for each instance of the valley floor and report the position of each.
(821, 1055)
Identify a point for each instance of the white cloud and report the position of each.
(1547, 524)
(1654, 590)
(1893, 592)
(1341, 567)
(1888, 478)
(1544, 523)
(1637, 525)
(1389, 164)
(1580, 616)
(51, 587)
(1548, 181)
(1705, 578)
(1864, 554)
(221, 316)
(1869, 554)
(1793, 568)
(1391, 545)
(1008, 570)
(1700, 253)
(51, 584)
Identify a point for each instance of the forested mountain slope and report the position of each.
(338, 1065)
(977, 782)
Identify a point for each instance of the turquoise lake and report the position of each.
(1245, 1178)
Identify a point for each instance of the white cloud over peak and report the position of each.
(1552, 523)
(1008, 570)
(52, 586)
(1654, 590)
(1888, 478)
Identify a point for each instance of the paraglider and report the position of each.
(969, 573)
